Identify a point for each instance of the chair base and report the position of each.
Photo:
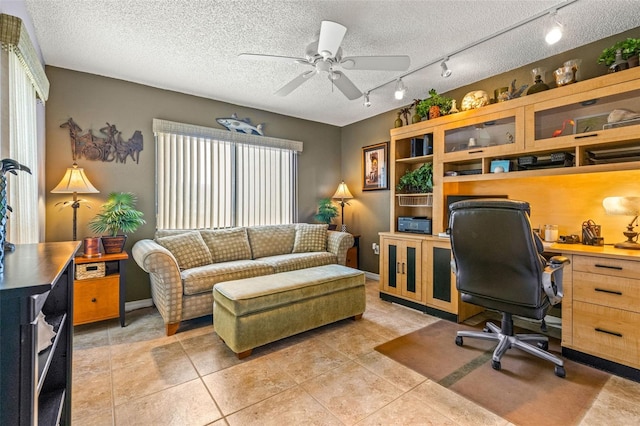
(507, 339)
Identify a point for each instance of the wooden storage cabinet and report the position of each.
(606, 308)
(401, 266)
(100, 298)
(35, 388)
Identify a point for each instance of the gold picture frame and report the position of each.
(375, 167)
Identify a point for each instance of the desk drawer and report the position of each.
(608, 333)
(606, 266)
(614, 292)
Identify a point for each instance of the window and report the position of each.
(212, 178)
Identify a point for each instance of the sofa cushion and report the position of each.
(310, 238)
(294, 261)
(203, 278)
(227, 244)
(188, 248)
(271, 240)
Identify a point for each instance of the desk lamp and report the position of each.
(625, 206)
(74, 182)
(343, 194)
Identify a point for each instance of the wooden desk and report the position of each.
(100, 298)
(601, 307)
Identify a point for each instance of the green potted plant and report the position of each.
(434, 106)
(118, 214)
(630, 48)
(326, 212)
(418, 181)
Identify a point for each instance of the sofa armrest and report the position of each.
(338, 243)
(164, 274)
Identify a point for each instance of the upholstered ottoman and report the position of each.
(251, 312)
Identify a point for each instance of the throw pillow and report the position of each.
(271, 240)
(227, 244)
(189, 249)
(310, 238)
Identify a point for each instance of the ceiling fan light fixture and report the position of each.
(400, 90)
(367, 102)
(446, 72)
(554, 31)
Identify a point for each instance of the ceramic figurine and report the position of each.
(454, 108)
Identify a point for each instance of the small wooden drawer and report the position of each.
(608, 333)
(607, 266)
(614, 292)
(96, 299)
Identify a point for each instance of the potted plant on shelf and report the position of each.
(118, 214)
(434, 106)
(629, 48)
(418, 181)
(326, 212)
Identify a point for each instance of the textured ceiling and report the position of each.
(192, 46)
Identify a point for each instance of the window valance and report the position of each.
(172, 127)
(14, 37)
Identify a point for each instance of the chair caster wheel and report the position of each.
(459, 340)
(495, 365)
(560, 371)
(486, 330)
(543, 345)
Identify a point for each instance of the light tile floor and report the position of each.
(329, 376)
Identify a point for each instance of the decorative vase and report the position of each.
(619, 64)
(416, 118)
(398, 122)
(434, 112)
(113, 245)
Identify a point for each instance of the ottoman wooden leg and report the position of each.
(172, 328)
(244, 354)
(357, 317)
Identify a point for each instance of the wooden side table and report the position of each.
(353, 254)
(99, 288)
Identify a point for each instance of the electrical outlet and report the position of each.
(376, 249)
(373, 246)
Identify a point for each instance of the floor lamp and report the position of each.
(74, 182)
(343, 194)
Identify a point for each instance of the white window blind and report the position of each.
(211, 178)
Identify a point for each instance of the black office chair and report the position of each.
(499, 265)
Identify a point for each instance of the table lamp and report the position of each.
(625, 206)
(343, 193)
(74, 182)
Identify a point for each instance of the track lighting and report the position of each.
(446, 72)
(554, 34)
(400, 89)
(367, 102)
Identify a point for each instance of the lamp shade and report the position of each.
(623, 206)
(74, 180)
(342, 192)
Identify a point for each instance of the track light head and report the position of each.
(367, 102)
(446, 72)
(554, 32)
(400, 90)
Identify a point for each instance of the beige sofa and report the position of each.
(184, 265)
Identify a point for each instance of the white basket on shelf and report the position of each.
(415, 200)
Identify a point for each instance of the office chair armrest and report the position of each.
(552, 278)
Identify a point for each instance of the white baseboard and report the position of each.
(137, 304)
(372, 276)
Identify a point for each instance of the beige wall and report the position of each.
(370, 210)
(93, 100)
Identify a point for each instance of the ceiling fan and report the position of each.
(325, 56)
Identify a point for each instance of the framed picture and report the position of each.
(500, 166)
(375, 167)
(590, 123)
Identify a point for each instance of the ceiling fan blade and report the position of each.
(295, 83)
(331, 35)
(274, 58)
(376, 63)
(345, 85)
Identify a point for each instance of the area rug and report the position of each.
(525, 391)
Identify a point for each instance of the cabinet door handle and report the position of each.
(402, 268)
(617, 268)
(592, 135)
(397, 267)
(477, 151)
(94, 300)
(613, 333)
(602, 290)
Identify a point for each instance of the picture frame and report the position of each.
(375, 167)
(500, 166)
(590, 123)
